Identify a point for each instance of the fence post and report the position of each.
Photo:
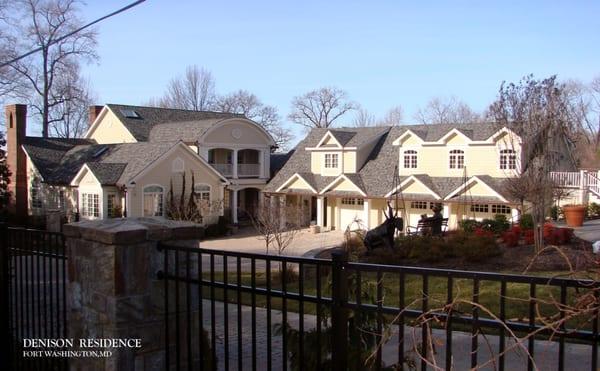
(339, 312)
(5, 335)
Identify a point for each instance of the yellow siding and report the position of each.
(315, 162)
(111, 130)
(345, 185)
(479, 160)
(415, 187)
(376, 212)
(478, 189)
(162, 174)
(299, 183)
(349, 162)
(330, 141)
(411, 140)
(456, 140)
(249, 134)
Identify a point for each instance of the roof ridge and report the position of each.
(175, 109)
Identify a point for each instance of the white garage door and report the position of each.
(351, 209)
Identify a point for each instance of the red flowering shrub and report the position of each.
(528, 236)
(480, 232)
(560, 236)
(516, 229)
(510, 238)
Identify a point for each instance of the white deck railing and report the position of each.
(248, 169)
(225, 169)
(577, 179)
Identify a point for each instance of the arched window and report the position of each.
(508, 159)
(410, 159)
(457, 159)
(153, 200)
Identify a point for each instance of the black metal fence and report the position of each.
(32, 289)
(280, 312)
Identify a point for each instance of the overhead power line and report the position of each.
(136, 3)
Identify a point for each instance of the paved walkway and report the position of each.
(589, 231)
(578, 356)
(247, 240)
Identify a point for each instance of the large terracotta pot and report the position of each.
(574, 214)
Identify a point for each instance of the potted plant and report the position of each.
(574, 214)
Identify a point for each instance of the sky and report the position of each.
(382, 53)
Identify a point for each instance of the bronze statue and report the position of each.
(383, 235)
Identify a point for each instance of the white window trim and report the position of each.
(500, 154)
(163, 197)
(456, 154)
(84, 207)
(209, 190)
(325, 161)
(413, 152)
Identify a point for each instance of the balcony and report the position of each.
(248, 170)
(225, 169)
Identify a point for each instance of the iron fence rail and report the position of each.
(318, 297)
(33, 264)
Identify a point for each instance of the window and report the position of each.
(90, 205)
(418, 205)
(153, 200)
(130, 114)
(410, 159)
(479, 208)
(202, 193)
(508, 159)
(331, 160)
(36, 197)
(500, 209)
(60, 200)
(178, 165)
(112, 205)
(457, 159)
(352, 201)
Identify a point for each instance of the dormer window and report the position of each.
(331, 160)
(508, 159)
(457, 159)
(410, 159)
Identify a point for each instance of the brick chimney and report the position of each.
(16, 128)
(94, 111)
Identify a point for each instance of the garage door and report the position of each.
(351, 209)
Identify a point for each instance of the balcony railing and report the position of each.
(225, 169)
(248, 170)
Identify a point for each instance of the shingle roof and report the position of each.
(106, 173)
(141, 127)
(47, 153)
(187, 131)
(376, 177)
(59, 161)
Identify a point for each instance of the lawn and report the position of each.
(516, 306)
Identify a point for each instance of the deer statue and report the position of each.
(383, 235)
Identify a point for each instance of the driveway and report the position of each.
(247, 240)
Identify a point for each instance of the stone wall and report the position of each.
(113, 291)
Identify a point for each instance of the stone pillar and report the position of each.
(320, 211)
(367, 213)
(234, 205)
(113, 289)
(234, 160)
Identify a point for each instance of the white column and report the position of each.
(367, 213)
(235, 164)
(446, 210)
(261, 164)
(282, 209)
(583, 189)
(234, 206)
(514, 214)
(320, 211)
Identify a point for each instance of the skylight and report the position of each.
(100, 151)
(129, 113)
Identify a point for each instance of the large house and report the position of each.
(133, 159)
(344, 177)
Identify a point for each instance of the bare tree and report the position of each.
(447, 111)
(248, 104)
(195, 90)
(539, 112)
(69, 119)
(276, 225)
(41, 24)
(320, 108)
(364, 118)
(585, 109)
(393, 117)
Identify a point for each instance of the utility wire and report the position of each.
(136, 3)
